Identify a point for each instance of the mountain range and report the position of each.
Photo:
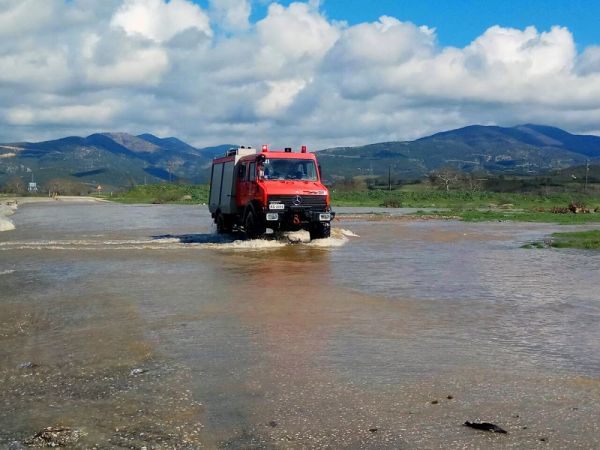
(520, 150)
(117, 160)
(111, 159)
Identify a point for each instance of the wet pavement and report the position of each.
(138, 327)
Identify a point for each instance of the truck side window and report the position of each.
(241, 172)
(252, 172)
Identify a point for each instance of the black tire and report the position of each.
(223, 223)
(320, 230)
(253, 226)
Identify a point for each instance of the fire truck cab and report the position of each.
(277, 190)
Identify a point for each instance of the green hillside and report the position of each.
(112, 160)
(526, 149)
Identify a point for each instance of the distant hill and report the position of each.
(116, 160)
(113, 160)
(524, 149)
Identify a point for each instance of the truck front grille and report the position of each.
(300, 201)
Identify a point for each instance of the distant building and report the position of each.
(32, 186)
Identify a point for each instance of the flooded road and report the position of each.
(139, 327)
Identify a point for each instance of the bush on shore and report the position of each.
(165, 193)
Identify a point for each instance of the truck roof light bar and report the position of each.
(303, 149)
(265, 148)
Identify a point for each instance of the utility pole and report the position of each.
(389, 178)
(170, 166)
(587, 171)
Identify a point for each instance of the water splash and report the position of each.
(187, 241)
(345, 232)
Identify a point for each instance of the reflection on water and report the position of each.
(264, 344)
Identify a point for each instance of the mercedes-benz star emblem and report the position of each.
(297, 200)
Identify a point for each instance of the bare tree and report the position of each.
(474, 181)
(14, 186)
(62, 186)
(445, 177)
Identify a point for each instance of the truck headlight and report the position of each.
(324, 217)
(272, 216)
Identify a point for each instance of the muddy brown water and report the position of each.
(388, 340)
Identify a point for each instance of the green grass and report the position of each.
(585, 240)
(165, 193)
(589, 240)
(455, 199)
(476, 206)
(471, 215)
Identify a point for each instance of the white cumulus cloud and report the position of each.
(158, 20)
(231, 15)
(292, 76)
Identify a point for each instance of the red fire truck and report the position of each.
(277, 190)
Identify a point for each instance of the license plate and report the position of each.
(276, 206)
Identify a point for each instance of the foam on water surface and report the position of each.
(6, 224)
(188, 241)
(5, 211)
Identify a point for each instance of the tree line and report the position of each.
(55, 186)
(450, 179)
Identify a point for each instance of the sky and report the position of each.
(458, 22)
(322, 73)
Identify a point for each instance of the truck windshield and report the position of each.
(290, 169)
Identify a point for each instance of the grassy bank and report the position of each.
(431, 198)
(478, 206)
(577, 239)
(428, 198)
(471, 215)
(586, 240)
(164, 193)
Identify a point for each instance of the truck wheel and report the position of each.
(254, 229)
(223, 223)
(320, 231)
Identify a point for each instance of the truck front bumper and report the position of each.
(299, 216)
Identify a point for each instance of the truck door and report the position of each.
(252, 186)
(241, 185)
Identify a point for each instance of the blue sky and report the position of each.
(458, 22)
